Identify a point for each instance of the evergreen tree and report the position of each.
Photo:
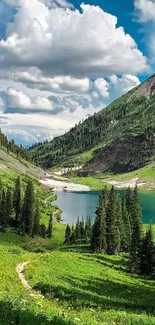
(126, 234)
(36, 226)
(29, 208)
(113, 234)
(43, 230)
(3, 219)
(98, 240)
(147, 254)
(82, 228)
(136, 237)
(9, 207)
(129, 205)
(88, 229)
(67, 234)
(119, 223)
(50, 227)
(73, 235)
(78, 229)
(17, 201)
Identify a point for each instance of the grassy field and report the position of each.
(146, 174)
(79, 287)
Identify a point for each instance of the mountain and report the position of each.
(15, 160)
(119, 138)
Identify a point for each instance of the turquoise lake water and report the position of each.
(74, 204)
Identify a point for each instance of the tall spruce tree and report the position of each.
(73, 235)
(88, 229)
(119, 223)
(29, 208)
(17, 201)
(50, 227)
(9, 207)
(126, 234)
(147, 254)
(136, 238)
(82, 228)
(98, 240)
(129, 205)
(67, 234)
(113, 235)
(3, 219)
(36, 226)
(78, 229)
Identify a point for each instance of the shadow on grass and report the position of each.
(106, 294)
(9, 315)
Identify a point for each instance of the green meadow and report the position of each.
(78, 287)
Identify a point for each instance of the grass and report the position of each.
(97, 182)
(79, 287)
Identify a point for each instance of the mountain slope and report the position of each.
(118, 138)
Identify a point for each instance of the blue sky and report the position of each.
(61, 61)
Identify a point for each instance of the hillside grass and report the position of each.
(100, 180)
(79, 287)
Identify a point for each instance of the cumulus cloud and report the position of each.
(68, 42)
(102, 87)
(16, 101)
(123, 84)
(145, 10)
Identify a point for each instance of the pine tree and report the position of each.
(17, 201)
(147, 254)
(98, 240)
(50, 227)
(119, 223)
(9, 207)
(129, 205)
(36, 226)
(88, 230)
(29, 208)
(136, 237)
(82, 228)
(113, 235)
(67, 234)
(78, 230)
(43, 230)
(126, 234)
(3, 219)
(73, 236)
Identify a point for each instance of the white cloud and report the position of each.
(102, 87)
(124, 83)
(66, 42)
(14, 100)
(145, 10)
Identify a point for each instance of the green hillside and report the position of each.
(124, 128)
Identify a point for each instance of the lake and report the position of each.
(74, 204)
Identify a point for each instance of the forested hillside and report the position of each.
(127, 123)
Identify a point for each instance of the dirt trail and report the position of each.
(20, 271)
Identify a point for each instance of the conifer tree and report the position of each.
(136, 237)
(119, 223)
(113, 235)
(73, 235)
(88, 229)
(3, 219)
(129, 205)
(36, 226)
(17, 201)
(50, 226)
(126, 234)
(29, 208)
(82, 228)
(98, 240)
(78, 229)
(67, 234)
(43, 230)
(147, 254)
(9, 207)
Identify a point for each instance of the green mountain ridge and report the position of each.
(119, 138)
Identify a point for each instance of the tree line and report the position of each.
(10, 146)
(21, 210)
(118, 228)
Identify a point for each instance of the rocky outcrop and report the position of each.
(124, 155)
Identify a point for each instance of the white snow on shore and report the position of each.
(131, 183)
(59, 186)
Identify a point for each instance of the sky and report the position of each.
(62, 61)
